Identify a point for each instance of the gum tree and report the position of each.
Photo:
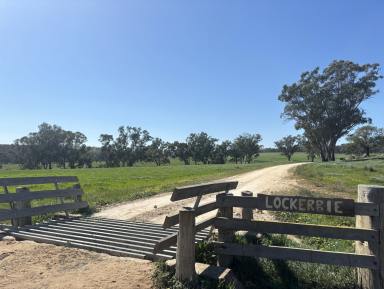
(366, 138)
(288, 145)
(246, 147)
(201, 146)
(326, 104)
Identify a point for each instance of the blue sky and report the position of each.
(173, 67)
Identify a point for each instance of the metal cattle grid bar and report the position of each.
(114, 237)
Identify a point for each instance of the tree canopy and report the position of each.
(201, 146)
(245, 147)
(158, 152)
(52, 144)
(366, 138)
(307, 146)
(181, 151)
(128, 148)
(326, 105)
(288, 145)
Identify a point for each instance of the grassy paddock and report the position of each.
(104, 186)
(344, 176)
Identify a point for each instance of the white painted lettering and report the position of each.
(319, 205)
(277, 203)
(310, 205)
(285, 203)
(337, 207)
(267, 205)
(292, 205)
(301, 204)
(329, 206)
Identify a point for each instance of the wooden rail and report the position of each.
(343, 233)
(368, 233)
(37, 180)
(194, 191)
(296, 254)
(168, 241)
(185, 238)
(21, 212)
(27, 212)
(174, 219)
(28, 196)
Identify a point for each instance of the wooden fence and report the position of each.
(185, 237)
(368, 233)
(20, 212)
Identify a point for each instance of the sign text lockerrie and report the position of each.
(343, 207)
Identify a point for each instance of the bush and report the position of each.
(205, 253)
(164, 277)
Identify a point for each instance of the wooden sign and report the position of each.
(341, 207)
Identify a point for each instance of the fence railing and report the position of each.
(368, 232)
(185, 238)
(20, 210)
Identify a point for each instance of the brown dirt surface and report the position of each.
(30, 265)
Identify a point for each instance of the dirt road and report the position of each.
(31, 265)
(154, 209)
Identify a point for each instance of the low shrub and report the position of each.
(205, 253)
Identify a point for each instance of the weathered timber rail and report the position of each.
(368, 233)
(21, 211)
(184, 238)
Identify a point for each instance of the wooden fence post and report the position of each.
(371, 279)
(19, 222)
(78, 198)
(225, 235)
(247, 213)
(185, 254)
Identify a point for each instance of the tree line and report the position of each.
(363, 141)
(325, 105)
(53, 146)
(133, 144)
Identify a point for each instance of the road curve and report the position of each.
(154, 209)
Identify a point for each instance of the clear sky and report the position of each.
(173, 67)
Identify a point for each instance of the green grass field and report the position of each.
(111, 185)
(344, 176)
